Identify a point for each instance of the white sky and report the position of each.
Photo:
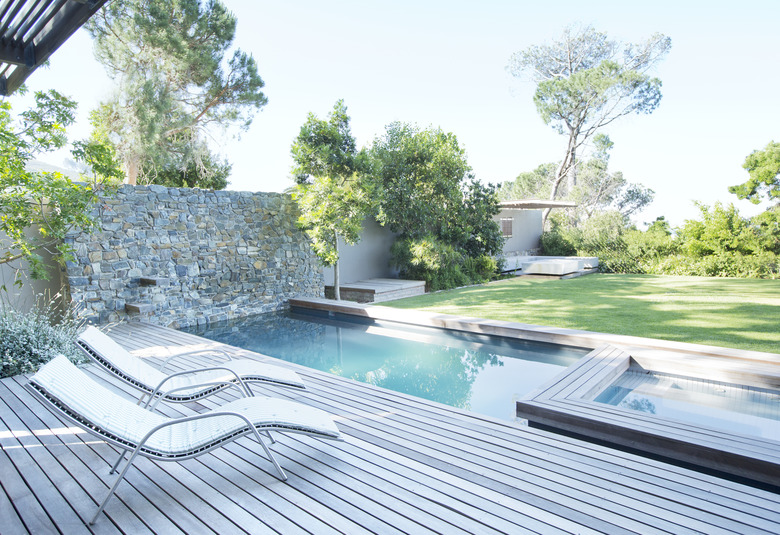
(443, 63)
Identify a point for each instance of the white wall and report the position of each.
(368, 259)
(526, 229)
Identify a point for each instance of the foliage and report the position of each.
(764, 169)
(440, 264)
(38, 209)
(29, 340)
(418, 175)
(597, 190)
(585, 82)
(175, 82)
(330, 189)
(719, 244)
(208, 173)
(330, 210)
(602, 235)
(720, 229)
(534, 184)
(426, 193)
(766, 225)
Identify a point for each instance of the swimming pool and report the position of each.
(484, 374)
(739, 408)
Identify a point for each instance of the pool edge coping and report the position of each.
(539, 333)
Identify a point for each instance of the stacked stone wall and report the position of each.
(181, 257)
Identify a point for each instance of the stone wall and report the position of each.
(180, 257)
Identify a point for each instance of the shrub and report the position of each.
(439, 264)
(480, 269)
(29, 340)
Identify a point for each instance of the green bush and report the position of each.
(480, 269)
(764, 265)
(29, 340)
(614, 255)
(439, 264)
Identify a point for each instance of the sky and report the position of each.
(442, 63)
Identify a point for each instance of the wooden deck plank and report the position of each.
(407, 466)
(79, 458)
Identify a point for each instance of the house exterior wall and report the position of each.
(367, 259)
(526, 230)
(180, 257)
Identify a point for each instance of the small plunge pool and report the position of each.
(483, 374)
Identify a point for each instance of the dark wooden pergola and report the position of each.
(31, 30)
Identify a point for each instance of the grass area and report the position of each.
(737, 313)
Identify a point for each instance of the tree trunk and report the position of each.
(336, 289)
(565, 170)
(131, 170)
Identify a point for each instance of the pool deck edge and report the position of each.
(555, 335)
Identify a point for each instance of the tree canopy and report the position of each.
(175, 83)
(585, 82)
(424, 187)
(764, 169)
(330, 190)
(39, 208)
(425, 191)
(597, 189)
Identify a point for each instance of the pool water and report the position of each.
(741, 409)
(484, 374)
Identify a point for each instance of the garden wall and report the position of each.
(180, 257)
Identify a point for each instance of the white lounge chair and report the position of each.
(183, 386)
(141, 431)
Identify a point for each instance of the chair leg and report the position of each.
(116, 484)
(116, 464)
(270, 455)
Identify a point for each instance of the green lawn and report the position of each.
(737, 313)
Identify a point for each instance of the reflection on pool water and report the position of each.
(740, 409)
(480, 373)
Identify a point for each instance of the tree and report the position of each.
(174, 82)
(424, 187)
(330, 190)
(764, 169)
(585, 82)
(209, 173)
(425, 192)
(535, 184)
(597, 190)
(38, 208)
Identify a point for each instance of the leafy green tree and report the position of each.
(585, 82)
(425, 192)
(767, 227)
(424, 187)
(598, 190)
(38, 208)
(175, 82)
(330, 190)
(764, 169)
(535, 184)
(721, 229)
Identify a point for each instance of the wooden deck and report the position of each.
(406, 466)
(566, 404)
(378, 290)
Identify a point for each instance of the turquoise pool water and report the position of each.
(738, 408)
(479, 373)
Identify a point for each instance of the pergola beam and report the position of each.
(44, 27)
